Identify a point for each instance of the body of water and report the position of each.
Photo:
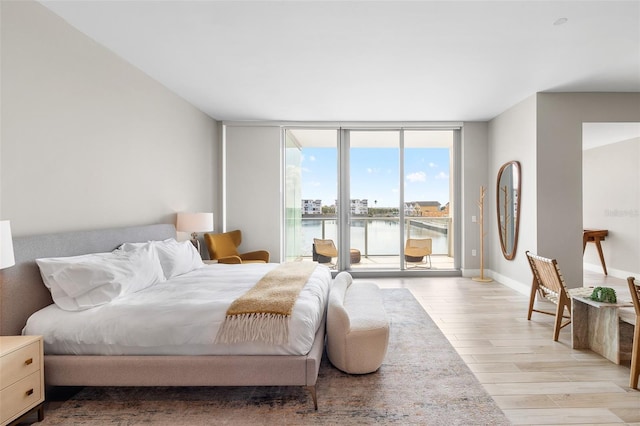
(383, 236)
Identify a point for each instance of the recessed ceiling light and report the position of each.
(560, 21)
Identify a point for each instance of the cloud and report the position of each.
(442, 175)
(370, 170)
(312, 158)
(433, 165)
(417, 177)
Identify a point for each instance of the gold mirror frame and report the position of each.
(508, 207)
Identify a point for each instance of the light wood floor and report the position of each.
(533, 379)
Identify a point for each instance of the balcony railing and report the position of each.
(380, 236)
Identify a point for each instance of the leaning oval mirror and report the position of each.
(508, 203)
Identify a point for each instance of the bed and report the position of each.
(23, 293)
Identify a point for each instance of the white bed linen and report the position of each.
(180, 316)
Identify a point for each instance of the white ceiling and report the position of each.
(368, 61)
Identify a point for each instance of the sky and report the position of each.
(374, 175)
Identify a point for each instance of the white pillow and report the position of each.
(176, 258)
(82, 282)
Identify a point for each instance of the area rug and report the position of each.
(422, 381)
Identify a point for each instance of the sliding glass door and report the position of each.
(428, 194)
(374, 200)
(368, 191)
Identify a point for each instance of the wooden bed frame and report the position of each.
(22, 293)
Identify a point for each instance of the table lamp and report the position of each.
(194, 223)
(6, 245)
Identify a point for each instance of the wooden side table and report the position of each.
(354, 256)
(21, 377)
(595, 236)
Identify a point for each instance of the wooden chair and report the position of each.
(548, 282)
(324, 251)
(416, 250)
(223, 247)
(635, 353)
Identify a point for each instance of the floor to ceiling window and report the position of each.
(369, 191)
(429, 191)
(373, 218)
(311, 189)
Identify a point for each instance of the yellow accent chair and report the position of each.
(416, 250)
(223, 247)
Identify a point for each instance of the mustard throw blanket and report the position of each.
(263, 312)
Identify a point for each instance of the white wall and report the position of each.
(559, 151)
(474, 175)
(611, 200)
(512, 136)
(544, 132)
(253, 188)
(87, 140)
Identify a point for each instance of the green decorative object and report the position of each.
(604, 294)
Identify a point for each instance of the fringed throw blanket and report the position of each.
(263, 312)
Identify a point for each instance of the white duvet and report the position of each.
(180, 316)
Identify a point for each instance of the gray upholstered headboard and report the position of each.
(22, 291)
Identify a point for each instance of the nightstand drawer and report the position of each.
(19, 364)
(21, 397)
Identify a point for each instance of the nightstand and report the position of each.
(21, 377)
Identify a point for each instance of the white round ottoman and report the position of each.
(357, 326)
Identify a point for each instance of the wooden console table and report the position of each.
(595, 236)
(597, 326)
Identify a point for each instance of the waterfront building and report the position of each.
(311, 206)
(423, 208)
(359, 207)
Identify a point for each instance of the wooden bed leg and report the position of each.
(312, 389)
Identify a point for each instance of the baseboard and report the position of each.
(501, 279)
(469, 273)
(616, 273)
(525, 289)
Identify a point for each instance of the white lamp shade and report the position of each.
(194, 222)
(6, 245)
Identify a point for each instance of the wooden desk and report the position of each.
(595, 236)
